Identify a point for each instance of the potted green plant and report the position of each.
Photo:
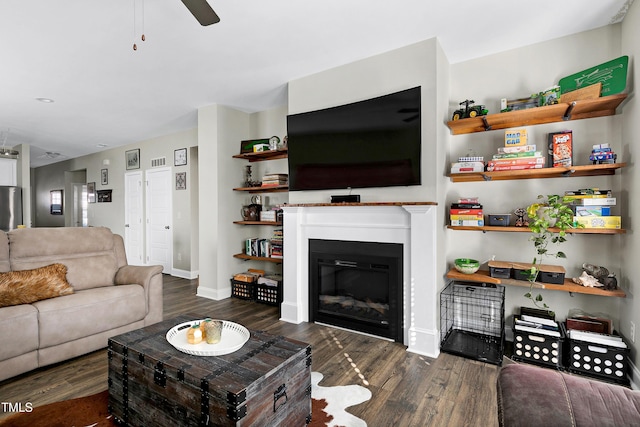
(549, 218)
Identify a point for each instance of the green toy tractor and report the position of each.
(469, 110)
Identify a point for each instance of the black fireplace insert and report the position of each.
(357, 286)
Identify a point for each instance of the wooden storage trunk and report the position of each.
(265, 383)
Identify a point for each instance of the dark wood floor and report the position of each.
(408, 389)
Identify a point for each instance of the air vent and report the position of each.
(160, 161)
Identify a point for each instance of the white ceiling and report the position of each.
(79, 53)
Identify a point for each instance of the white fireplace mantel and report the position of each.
(411, 224)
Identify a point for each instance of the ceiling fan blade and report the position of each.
(202, 11)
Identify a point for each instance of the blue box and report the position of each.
(593, 210)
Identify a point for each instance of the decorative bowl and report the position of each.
(467, 265)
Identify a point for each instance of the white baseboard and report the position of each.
(424, 342)
(184, 274)
(214, 294)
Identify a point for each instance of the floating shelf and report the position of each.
(263, 155)
(259, 258)
(576, 110)
(258, 222)
(557, 172)
(272, 189)
(526, 229)
(482, 276)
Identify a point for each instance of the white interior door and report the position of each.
(80, 217)
(159, 216)
(133, 212)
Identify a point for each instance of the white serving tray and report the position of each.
(233, 337)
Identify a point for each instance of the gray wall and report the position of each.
(630, 178)
(111, 215)
(220, 131)
(516, 74)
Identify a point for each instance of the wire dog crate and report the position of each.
(472, 321)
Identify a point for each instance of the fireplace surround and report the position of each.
(356, 285)
(412, 224)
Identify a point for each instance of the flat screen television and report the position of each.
(371, 143)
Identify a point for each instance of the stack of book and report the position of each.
(255, 246)
(275, 179)
(592, 208)
(516, 158)
(468, 164)
(276, 243)
(466, 212)
(537, 325)
(516, 154)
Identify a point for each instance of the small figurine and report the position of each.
(469, 110)
(521, 217)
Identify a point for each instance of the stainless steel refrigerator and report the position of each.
(10, 207)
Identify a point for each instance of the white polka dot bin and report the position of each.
(538, 348)
(598, 360)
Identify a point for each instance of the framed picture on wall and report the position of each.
(104, 196)
(133, 158)
(181, 181)
(180, 157)
(104, 176)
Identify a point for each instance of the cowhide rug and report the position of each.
(328, 409)
(339, 398)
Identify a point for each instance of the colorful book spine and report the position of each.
(467, 222)
(517, 155)
(516, 149)
(455, 211)
(609, 201)
(513, 167)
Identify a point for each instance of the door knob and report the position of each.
(126, 225)
(166, 227)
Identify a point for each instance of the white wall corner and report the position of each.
(214, 294)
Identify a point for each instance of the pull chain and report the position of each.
(135, 47)
(143, 38)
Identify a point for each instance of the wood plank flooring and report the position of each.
(408, 389)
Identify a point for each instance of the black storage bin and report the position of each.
(600, 361)
(472, 321)
(243, 290)
(537, 347)
(271, 295)
(522, 274)
(499, 269)
(500, 220)
(551, 277)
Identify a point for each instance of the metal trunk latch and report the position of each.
(160, 375)
(277, 395)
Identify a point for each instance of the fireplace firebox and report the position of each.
(357, 286)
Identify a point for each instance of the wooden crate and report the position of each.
(265, 383)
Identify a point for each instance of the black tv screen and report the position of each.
(371, 143)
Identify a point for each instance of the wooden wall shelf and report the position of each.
(526, 229)
(276, 223)
(273, 189)
(259, 258)
(263, 155)
(558, 172)
(482, 276)
(576, 110)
